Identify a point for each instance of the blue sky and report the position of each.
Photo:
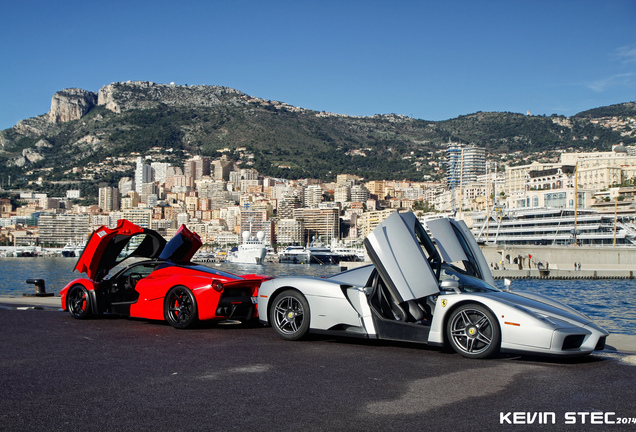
(432, 60)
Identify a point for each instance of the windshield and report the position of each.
(467, 283)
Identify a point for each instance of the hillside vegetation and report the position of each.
(285, 141)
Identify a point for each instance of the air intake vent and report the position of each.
(573, 342)
(601, 344)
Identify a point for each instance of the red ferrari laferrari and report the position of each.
(158, 281)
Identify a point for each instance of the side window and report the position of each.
(425, 242)
(142, 269)
(470, 265)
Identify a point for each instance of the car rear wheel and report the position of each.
(180, 307)
(473, 331)
(290, 315)
(78, 302)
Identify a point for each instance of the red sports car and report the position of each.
(157, 282)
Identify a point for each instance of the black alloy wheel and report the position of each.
(180, 308)
(78, 302)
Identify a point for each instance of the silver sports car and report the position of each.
(433, 292)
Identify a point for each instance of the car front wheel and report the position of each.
(78, 302)
(290, 315)
(473, 331)
(180, 308)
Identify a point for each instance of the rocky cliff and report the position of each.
(119, 97)
(71, 104)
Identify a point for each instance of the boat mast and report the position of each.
(461, 184)
(576, 197)
(615, 217)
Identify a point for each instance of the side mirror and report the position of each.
(450, 285)
(507, 283)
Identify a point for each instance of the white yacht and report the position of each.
(315, 253)
(251, 251)
(294, 255)
(555, 226)
(347, 253)
(73, 249)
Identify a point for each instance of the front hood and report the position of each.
(551, 302)
(105, 248)
(543, 306)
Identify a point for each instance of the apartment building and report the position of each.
(463, 164)
(323, 222)
(60, 229)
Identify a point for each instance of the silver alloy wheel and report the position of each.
(288, 314)
(471, 331)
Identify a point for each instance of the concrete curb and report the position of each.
(621, 343)
(49, 302)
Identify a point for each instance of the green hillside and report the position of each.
(286, 141)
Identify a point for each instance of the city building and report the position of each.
(139, 216)
(319, 222)
(159, 171)
(61, 229)
(312, 196)
(255, 221)
(342, 194)
(463, 164)
(143, 174)
(109, 199)
(222, 168)
(368, 221)
(359, 193)
(290, 232)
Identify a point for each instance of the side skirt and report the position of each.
(401, 331)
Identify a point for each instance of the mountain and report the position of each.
(83, 128)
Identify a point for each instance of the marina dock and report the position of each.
(563, 274)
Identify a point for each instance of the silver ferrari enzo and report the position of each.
(437, 292)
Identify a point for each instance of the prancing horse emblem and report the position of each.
(443, 302)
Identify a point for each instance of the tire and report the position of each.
(180, 308)
(78, 302)
(289, 315)
(473, 331)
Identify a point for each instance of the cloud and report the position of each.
(623, 79)
(626, 54)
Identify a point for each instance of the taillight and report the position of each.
(218, 286)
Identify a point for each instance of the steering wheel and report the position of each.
(132, 279)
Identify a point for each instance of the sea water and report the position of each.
(609, 303)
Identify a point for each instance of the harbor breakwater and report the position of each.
(563, 274)
(561, 262)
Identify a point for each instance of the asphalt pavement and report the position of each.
(113, 373)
